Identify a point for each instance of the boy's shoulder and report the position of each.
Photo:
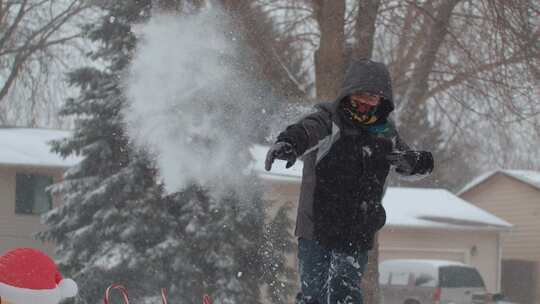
(327, 106)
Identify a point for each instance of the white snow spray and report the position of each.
(190, 103)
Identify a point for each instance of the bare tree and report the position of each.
(470, 63)
(457, 65)
(29, 32)
(364, 29)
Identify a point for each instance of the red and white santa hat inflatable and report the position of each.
(29, 276)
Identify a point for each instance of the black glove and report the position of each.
(280, 150)
(411, 162)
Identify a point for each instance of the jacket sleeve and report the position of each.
(307, 133)
(398, 144)
(421, 164)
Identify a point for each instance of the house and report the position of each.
(513, 195)
(436, 224)
(421, 223)
(27, 167)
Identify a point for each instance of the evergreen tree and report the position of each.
(277, 275)
(116, 224)
(218, 247)
(99, 232)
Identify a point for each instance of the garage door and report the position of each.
(519, 281)
(418, 253)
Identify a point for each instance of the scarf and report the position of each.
(353, 113)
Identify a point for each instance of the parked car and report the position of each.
(432, 281)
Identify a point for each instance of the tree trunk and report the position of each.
(364, 29)
(370, 280)
(418, 87)
(363, 48)
(412, 112)
(329, 58)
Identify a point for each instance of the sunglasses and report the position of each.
(367, 98)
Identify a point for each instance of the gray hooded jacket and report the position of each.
(345, 166)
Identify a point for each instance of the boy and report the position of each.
(348, 147)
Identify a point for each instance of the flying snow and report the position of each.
(190, 100)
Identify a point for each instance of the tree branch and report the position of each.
(14, 25)
(38, 39)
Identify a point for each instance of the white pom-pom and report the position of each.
(68, 288)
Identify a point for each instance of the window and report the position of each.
(399, 278)
(31, 197)
(425, 280)
(457, 277)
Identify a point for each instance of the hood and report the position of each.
(365, 75)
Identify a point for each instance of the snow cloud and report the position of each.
(190, 101)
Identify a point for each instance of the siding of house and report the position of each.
(17, 230)
(517, 203)
(445, 245)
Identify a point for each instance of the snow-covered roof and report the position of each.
(436, 208)
(406, 207)
(527, 176)
(29, 147)
(421, 262)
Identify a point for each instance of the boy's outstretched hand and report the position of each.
(411, 162)
(280, 150)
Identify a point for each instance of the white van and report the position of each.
(431, 281)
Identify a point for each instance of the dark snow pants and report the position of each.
(329, 276)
